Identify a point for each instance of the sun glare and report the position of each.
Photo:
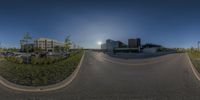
(99, 42)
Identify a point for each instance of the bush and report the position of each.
(47, 60)
(34, 60)
(14, 59)
(19, 60)
(40, 74)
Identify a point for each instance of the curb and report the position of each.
(53, 87)
(195, 72)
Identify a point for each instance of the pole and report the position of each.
(0, 48)
(198, 45)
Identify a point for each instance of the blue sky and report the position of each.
(172, 23)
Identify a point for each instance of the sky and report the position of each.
(171, 23)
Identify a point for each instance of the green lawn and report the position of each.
(195, 58)
(39, 75)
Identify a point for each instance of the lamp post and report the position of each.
(198, 45)
(0, 48)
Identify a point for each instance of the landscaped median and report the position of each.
(37, 75)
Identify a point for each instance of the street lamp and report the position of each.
(198, 45)
(0, 48)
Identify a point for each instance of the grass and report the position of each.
(39, 75)
(195, 58)
(1, 57)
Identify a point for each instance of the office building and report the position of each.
(103, 46)
(110, 45)
(47, 44)
(121, 45)
(134, 43)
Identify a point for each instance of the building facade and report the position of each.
(103, 46)
(47, 44)
(121, 45)
(134, 43)
(110, 45)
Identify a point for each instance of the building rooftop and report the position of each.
(48, 39)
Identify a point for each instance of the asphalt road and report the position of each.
(102, 77)
(138, 55)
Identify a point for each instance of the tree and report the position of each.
(192, 48)
(67, 43)
(56, 48)
(12, 49)
(26, 39)
(37, 49)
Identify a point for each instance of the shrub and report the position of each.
(41, 74)
(34, 60)
(47, 60)
(15, 59)
(19, 60)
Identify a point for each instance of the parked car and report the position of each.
(1, 54)
(65, 54)
(18, 55)
(9, 54)
(49, 53)
(43, 54)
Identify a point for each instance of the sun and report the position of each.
(99, 42)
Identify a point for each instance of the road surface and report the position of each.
(101, 77)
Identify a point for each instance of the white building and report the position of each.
(47, 44)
